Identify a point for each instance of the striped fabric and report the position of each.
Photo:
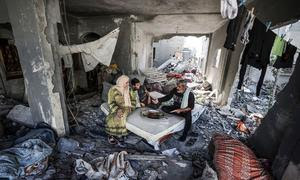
(235, 161)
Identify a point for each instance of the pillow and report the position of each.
(234, 160)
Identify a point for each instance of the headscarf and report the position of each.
(121, 86)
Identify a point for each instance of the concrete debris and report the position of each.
(172, 161)
(251, 109)
(67, 145)
(145, 157)
(170, 152)
(150, 175)
(113, 167)
(208, 173)
(22, 115)
(165, 64)
(154, 76)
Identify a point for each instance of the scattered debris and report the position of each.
(170, 152)
(208, 173)
(113, 167)
(27, 158)
(22, 115)
(174, 159)
(67, 145)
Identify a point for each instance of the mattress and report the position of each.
(153, 130)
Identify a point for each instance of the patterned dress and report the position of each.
(115, 125)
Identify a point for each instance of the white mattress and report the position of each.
(153, 130)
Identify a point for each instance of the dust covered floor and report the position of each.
(185, 160)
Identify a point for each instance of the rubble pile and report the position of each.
(246, 97)
(8, 129)
(74, 157)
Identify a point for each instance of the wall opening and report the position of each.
(181, 48)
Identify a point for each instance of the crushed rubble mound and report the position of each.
(72, 157)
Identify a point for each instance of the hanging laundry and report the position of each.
(233, 29)
(278, 46)
(287, 58)
(95, 52)
(247, 27)
(229, 9)
(257, 52)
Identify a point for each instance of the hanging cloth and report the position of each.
(287, 58)
(278, 46)
(247, 27)
(257, 52)
(233, 29)
(229, 9)
(95, 52)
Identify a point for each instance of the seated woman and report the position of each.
(121, 101)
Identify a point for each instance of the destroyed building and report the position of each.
(59, 59)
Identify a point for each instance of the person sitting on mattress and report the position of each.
(121, 101)
(184, 102)
(143, 96)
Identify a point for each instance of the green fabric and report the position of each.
(278, 46)
(115, 125)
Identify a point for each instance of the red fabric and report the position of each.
(235, 161)
(175, 75)
(242, 127)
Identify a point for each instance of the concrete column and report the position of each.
(35, 32)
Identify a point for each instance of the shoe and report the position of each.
(182, 138)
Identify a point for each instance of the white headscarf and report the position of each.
(121, 86)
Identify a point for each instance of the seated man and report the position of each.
(184, 102)
(143, 95)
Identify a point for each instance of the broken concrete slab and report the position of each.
(67, 145)
(22, 115)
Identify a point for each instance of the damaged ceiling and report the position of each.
(278, 12)
(138, 7)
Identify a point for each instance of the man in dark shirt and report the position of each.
(143, 94)
(183, 105)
